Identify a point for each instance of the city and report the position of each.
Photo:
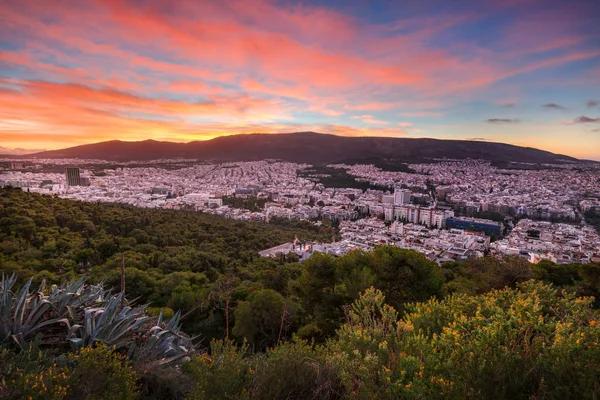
(438, 208)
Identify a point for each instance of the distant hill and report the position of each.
(5, 151)
(309, 147)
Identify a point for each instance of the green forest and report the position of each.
(198, 314)
(335, 178)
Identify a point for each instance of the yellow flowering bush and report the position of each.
(368, 351)
(528, 342)
(92, 373)
(50, 384)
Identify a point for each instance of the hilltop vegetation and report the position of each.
(335, 178)
(384, 324)
(174, 259)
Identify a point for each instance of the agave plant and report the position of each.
(82, 315)
(110, 324)
(163, 343)
(24, 314)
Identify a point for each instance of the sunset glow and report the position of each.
(525, 72)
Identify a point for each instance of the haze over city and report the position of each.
(520, 72)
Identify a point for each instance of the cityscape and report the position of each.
(438, 209)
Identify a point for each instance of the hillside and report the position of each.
(385, 324)
(308, 147)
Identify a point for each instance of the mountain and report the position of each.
(309, 147)
(5, 151)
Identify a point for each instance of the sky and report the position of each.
(525, 72)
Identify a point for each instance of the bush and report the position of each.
(368, 350)
(528, 342)
(224, 374)
(295, 371)
(289, 371)
(92, 373)
(14, 364)
(164, 383)
(532, 341)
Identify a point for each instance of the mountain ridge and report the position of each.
(309, 147)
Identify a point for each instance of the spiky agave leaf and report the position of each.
(111, 325)
(89, 314)
(6, 306)
(164, 344)
(24, 314)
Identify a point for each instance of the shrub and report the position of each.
(295, 371)
(289, 371)
(164, 383)
(532, 341)
(368, 350)
(528, 342)
(224, 374)
(14, 364)
(92, 373)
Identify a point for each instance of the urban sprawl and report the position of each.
(441, 209)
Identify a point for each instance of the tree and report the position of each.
(484, 274)
(265, 317)
(316, 288)
(222, 291)
(405, 276)
(354, 275)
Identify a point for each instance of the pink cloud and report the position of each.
(369, 119)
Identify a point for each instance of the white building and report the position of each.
(417, 215)
(401, 196)
(215, 202)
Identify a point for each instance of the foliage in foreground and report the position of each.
(209, 267)
(530, 342)
(508, 343)
(174, 259)
(92, 373)
(84, 315)
(289, 371)
(527, 343)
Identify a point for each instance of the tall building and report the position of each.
(73, 177)
(407, 214)
(401, 196)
